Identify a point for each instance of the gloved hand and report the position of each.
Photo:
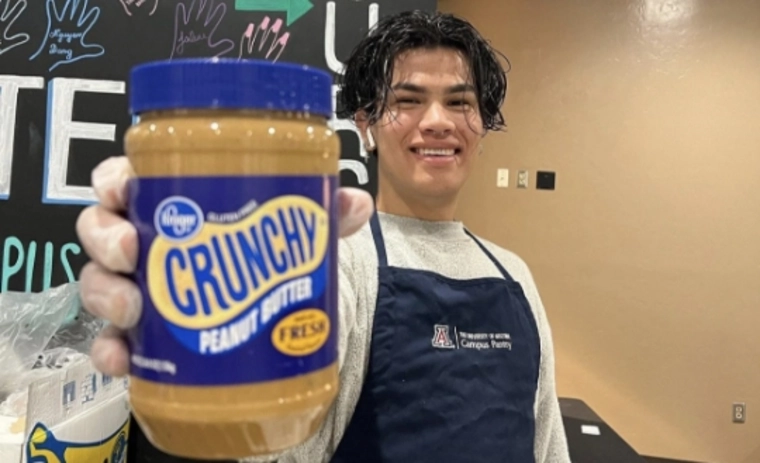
(111, 242)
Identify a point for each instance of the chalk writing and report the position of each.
(18, 257)
(335, 65)
(249, 48)
(10, 11)
(195, 27)
(67, 29)
(62, 128)
(132, 6)
(10, 86)
(332, 61)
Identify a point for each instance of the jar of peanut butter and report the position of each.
(235, 354)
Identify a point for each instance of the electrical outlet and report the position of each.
(739, 412)
(522, 179)
(502, 178)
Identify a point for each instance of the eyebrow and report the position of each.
(459, 88)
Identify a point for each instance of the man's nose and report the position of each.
(436, 120)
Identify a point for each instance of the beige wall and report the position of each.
(648, 253)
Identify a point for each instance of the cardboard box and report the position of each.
(75, 415)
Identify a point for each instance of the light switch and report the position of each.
(502, 178)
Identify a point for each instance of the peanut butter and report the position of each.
(235, 354)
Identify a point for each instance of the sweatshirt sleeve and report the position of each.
(353, 345)
(551, 440)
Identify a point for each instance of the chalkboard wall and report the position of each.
(64, 66)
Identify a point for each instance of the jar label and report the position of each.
(238, 277)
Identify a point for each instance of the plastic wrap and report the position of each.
(40, 332)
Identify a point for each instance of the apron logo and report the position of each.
(441, 338)
(476, 341)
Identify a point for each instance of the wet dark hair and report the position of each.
(369, 71)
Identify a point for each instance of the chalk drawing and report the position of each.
(133, 6)
(10, 10)
(67, 29)
(195, 26)
(256, 42)
(332, 61)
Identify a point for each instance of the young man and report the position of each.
(445, 350)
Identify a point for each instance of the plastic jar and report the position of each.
(235, 353)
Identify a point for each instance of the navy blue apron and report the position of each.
(453, 370)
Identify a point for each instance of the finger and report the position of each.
(245, 41)
(109, 240)
(126, 8)
(276, 27)
(201, 7)
(355, 207)
(72, 9)
(110, 179)
(182, 14)
(110, 353)
(88, 17)
(282, 42)
(15, 11)
(110, 296)
(215, 15)
(52, 10)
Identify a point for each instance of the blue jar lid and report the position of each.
(223, 83)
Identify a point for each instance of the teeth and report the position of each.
(436, 152)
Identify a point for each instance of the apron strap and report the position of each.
(377, 236)
(495, 261)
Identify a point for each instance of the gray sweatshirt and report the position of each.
(444, 248)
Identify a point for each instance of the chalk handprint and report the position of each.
(10, 11)
(142, 6)
(195, 25)
(256, 42)
(67, 30)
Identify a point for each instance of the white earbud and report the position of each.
(370, 146)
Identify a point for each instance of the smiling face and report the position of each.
(429, 135)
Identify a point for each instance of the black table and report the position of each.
(590, 439)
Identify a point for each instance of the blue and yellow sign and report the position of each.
(44, 447)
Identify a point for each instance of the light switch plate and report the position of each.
(502, 178)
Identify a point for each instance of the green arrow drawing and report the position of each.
(294, 8)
